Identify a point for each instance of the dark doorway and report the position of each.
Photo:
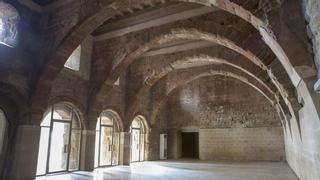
(190, 145)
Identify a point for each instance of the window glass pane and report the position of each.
(115, 148)
(135, 139)
(107, 140)
(106, 120)
(59, 147)
(105, 146)
(74, 60)
(117, 83)
(136, 123)
(43, 151)
(62, 112)
(74, 150)
(46, 120)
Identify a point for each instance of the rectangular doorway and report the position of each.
(190, 144)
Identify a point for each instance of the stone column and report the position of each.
(26, 152)
(87, 150)
(152, 144)
(174, 144)
(125, 150)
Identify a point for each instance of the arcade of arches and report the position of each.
(146, 89)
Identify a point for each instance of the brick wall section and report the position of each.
(70, 86)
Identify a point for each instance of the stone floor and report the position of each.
(184, 170)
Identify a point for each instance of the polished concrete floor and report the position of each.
(184, 170)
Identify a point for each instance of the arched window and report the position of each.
(3, 125)
(9, 20)
(60, 140)
(137, 130)
(107, 140)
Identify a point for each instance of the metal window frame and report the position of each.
(68, 121)
(141, 130)
(112, 140)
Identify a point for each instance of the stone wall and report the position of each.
(234, 121)
(221, 102)
(262, 144)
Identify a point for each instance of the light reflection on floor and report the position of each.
(184, 170)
